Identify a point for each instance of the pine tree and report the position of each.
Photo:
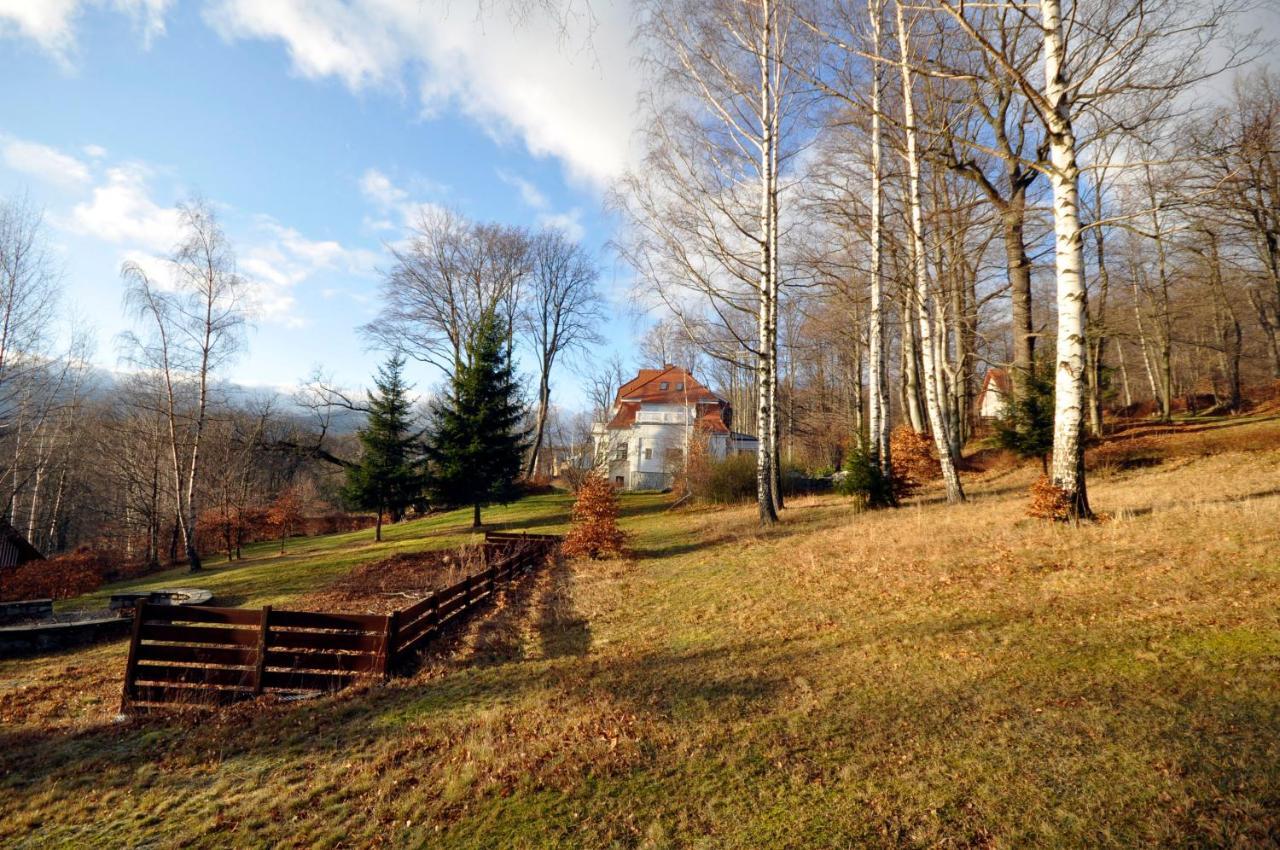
(1026, 428)
(388, 478)
(476, 443)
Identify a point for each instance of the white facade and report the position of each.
(644, 455)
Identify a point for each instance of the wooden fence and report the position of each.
(202, 655)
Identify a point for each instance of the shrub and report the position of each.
(913, 460)
(59, 577)
(595, 531)
(729, 480)
(863, 480)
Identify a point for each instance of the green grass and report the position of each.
(264, 576)
(930, 676)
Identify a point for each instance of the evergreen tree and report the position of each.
(476, 443)
(389, 477)
(1026, 428)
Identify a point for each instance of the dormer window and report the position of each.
(680, 387)
(663, 386)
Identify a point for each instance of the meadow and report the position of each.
(935, 675)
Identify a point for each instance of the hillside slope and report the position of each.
(930, 675)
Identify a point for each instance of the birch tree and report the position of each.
(923, 295)
(193, 319)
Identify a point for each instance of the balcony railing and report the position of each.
(678, 417)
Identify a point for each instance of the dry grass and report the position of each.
(928, 676)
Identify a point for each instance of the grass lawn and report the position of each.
(933, 675)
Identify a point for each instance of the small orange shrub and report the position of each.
(595, 531)
(1049, 501)
(59, 577)
(911, 454)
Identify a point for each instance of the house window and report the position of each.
(680, 387)
(620, 453)
(662, 385)
(648, 454)
(618, 481)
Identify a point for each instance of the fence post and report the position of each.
(260, 667)
(389, 636)
(130, 666)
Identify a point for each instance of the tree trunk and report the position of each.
(878, 405)
(1013, 222)
(1064, 176)
(932, 368)
(475, 516)
(544, 400)
(377, 528)
(766, 359)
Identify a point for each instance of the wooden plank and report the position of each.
(176, 695)
(169, 673)
(323, 620)
(135, 640)
(264, 628)
(389, 636)
(224, 655)
(281, 639)
(417, 609)
(200, 634)
(321, 661)
(294, 680)
(201, 614)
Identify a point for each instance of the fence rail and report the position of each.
(202, 655)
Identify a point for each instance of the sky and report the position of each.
(316, 129)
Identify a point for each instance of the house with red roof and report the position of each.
(997, 391)
(654, 419)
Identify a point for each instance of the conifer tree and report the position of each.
(476, 443)
(389, 477)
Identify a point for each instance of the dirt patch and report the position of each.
(384, 586)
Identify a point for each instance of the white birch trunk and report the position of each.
(1067, 471)
(924, 307)
(764, 364)
(878, 405)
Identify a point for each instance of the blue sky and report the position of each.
(315, 128)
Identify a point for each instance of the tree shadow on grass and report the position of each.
(562, 629)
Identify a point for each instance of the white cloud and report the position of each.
(392, 201)
(51, 23)
(122, 211)
(378, 188)
(570, 223)
(529, 193)
(46, 163)
(563, 84)
(94, 151)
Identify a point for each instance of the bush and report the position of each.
(594, 532)
(913, 461)
(863, 480)
(729, 480)
(59, 577)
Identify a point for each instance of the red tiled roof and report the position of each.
(647, 386)
(626, 415)
(999, 377)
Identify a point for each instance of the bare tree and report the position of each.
(560, 315)
(193, 321)
(450, 274)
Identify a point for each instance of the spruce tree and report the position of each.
(389, 477)
(476, 443)
(1026, 428)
